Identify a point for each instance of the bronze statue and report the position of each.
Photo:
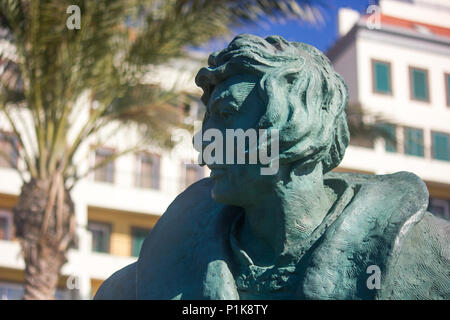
(302, 232)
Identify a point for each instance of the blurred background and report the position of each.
(98, 105)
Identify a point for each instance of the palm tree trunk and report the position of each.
(45, 224)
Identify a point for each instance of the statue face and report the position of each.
(235, 104)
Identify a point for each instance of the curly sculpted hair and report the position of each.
(305, 98)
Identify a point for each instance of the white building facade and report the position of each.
(396, 63)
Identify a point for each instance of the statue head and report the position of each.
(275, 84)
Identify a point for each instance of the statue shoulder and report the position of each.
(395, 196)
(172, 231)
(121, 285)
(422, 270)
(413, 252)
(193, 228)
(403, 182)
(188, 208)
(371, 231)
(393, 204)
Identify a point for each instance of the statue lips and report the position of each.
(217, 170)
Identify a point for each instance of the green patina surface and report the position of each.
(303, 233)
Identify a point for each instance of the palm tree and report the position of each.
(366, 126)
(49, 66)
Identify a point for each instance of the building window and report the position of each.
(414, 142)
(14, 291)
(447, 87)
(361, 140)
(441, 146)
(8, 149)
(101, 233)
(388, 132)
(65, 294)
(11, 291)
(192, 173)
(381, 77)
(148, 172)
(440, 208)
(105, 173)
(419, 84)
(6, 225)
(138, 236)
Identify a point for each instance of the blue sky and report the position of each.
(321, 36)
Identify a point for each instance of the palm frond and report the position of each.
(172, 25)
(108, 56)
(376, 127)
(155, 111)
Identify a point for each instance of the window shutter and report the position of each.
(382, 80)
(441, 146)
(414, 142)
(139, 236)
(419, 79)
(448, 89)
(390, 139)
